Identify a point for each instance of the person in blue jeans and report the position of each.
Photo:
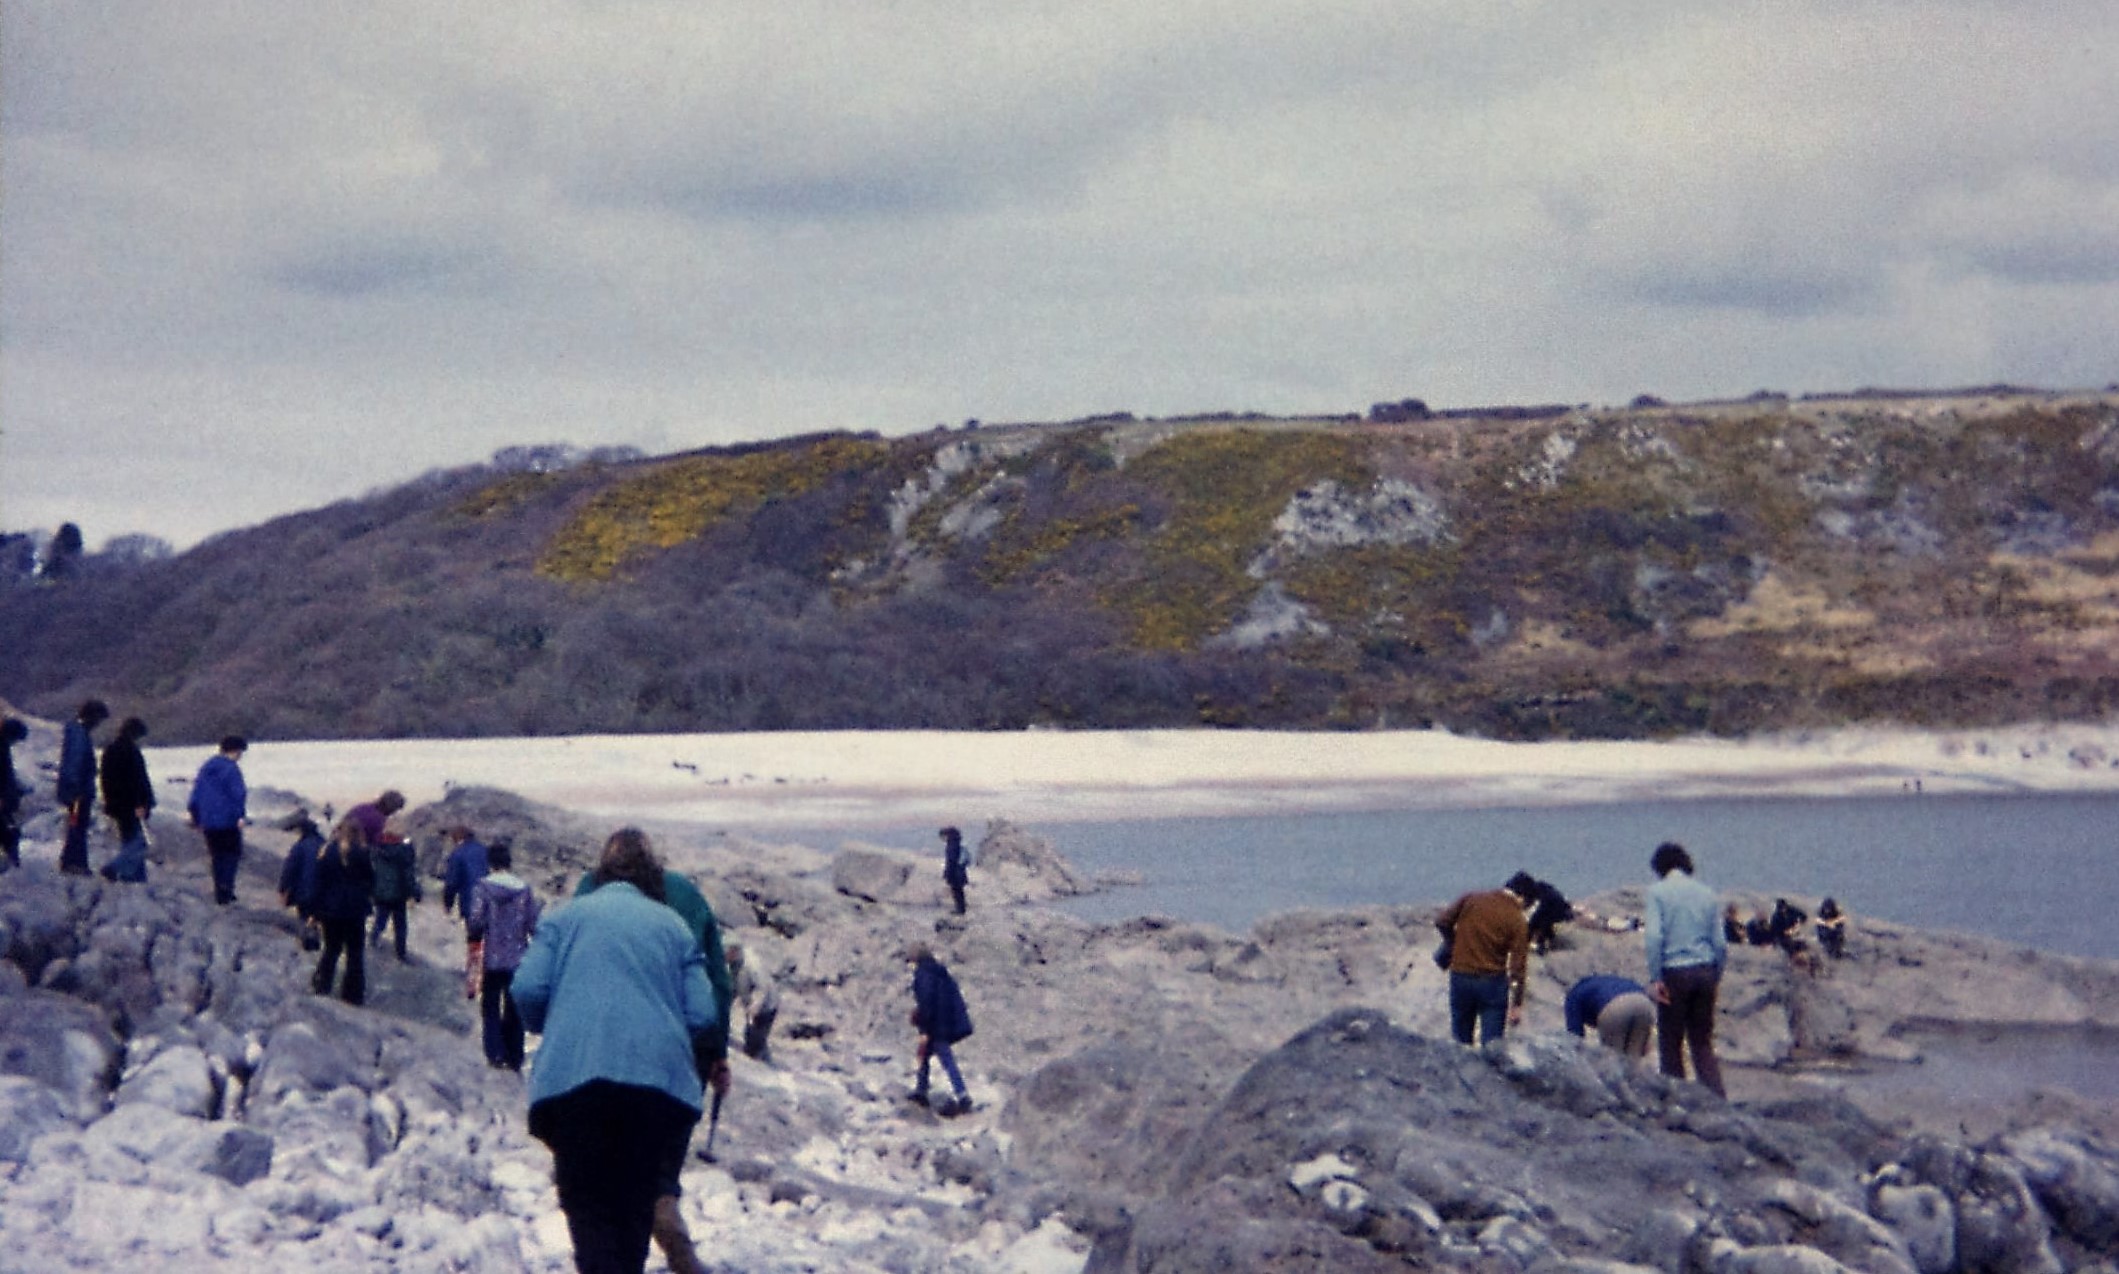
(1686, 949)
(1489, 964)
(939, 1015)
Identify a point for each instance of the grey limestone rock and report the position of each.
(28, 1110)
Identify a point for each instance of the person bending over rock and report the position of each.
(344, 883)
(219, 806)
(759, 995)
(616, 984)
(939, 1015)
(1489, 960)
(77, 783)
(374, 816)
(128, 797)
(1686, 951)
(1619, 1009)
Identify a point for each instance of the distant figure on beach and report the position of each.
(1832, 929)
(616, 983)
(760, 997)
(1686, 951)
(77, 783)
(128, 797)
(503, 918)
(1489, 960)
(219, 806)
(345, 881)
(11, 792)
(939, 1015)
(956, 865)
(1619, 1009)
(1735, 930)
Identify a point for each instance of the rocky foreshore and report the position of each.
(1151, 1095)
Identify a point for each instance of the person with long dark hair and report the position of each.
(616, 984)
(128, 797)
(343, 885)
(1686, 950)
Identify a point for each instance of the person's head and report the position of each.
(234, 745)
(1523, 885)
(628, 858)
(132, 729)
(1827, 909)
(917, 950)
(13, 731)
(94, 712)
(1669, 857)
(390, 802)
(499, 857)
(298, 821)
(951, 836)
(458, 833)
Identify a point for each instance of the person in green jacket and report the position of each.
(709, 1047)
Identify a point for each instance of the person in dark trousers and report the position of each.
(128, 797)
(396, 887)
(1489, 964)
(709, 1047)
(345, 881)
(939, 1015)
(219, 806)
(1686, 951)
(1618, 1008)
(1549, 909)
(298, 874)
(77, 783)
(374, 816)
(503, 918)
(11, 792)
(616, 983)
(956, 865)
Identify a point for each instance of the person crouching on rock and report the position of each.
(344, 883)
(1619, 1009)
(939, 1015)
(1831, 928)
(1489, 963)
(617, 985)
(503, 917)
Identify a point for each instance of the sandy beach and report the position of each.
(879, 779)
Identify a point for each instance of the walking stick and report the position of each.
(713, 1125)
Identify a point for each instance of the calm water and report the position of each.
(2042, 871)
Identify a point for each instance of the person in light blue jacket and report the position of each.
(617, 986)
(1686, 949)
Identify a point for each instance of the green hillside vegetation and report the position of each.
(1936, 560)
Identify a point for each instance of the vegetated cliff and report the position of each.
(1772, 563)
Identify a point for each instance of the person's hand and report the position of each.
(1515, 1015)
(720, 1077)
(1658, 992)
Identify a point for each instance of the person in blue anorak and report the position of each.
(1617, 1008)
(219, 806)
(616, 984)
(77, 783)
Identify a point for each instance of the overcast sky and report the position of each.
(257, 255)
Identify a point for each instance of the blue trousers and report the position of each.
(937, 1051)
(1481, 999)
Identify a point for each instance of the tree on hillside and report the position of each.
(64, 551)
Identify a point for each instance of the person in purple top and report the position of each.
(503, 918)
(371, 816)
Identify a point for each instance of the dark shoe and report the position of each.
(919, 1097)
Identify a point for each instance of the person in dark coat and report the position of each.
(77, 783)
(467, 864)
(396, 886)
(345, 882)
(11, 792)
(298, 873)
(956, 865)
(939, 1015)
(1832, 929)
(1549, 909)
(128, 797)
